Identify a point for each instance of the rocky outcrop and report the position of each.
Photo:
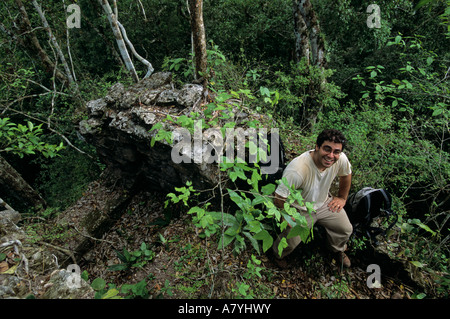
(120, 127)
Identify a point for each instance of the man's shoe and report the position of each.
(343, 259)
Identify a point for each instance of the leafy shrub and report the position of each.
(22, 140)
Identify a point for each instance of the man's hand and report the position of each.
(279, 201)
(336, 204)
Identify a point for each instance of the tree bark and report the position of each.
(13, 184)
(34, 45)
(198, 39)
(150, 68)
(119, 39)
(55, 44)
(309, 43)
(302, 46)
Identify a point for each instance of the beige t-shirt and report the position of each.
(303, 174)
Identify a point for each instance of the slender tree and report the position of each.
(198, 39)
(112, 18)
(123, 41)
(27, 39)
(55, 44)
(309, 45)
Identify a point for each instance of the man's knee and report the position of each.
(347, 227)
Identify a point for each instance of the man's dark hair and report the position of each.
(331, 135)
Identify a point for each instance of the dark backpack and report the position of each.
(365, 205)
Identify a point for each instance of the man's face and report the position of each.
(327, 154)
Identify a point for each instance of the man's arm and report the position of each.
(344, 187)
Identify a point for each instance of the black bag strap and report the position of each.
(367, 205)
(388, 209)
(386, 199)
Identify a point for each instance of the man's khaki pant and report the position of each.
(336, 224)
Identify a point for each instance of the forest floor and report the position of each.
(184, 266)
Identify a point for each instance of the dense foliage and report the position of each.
(386, 88)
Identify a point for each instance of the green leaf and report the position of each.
(266, 238)
(252, 240)
(299, 230)
(417, 263)
(268, 189)
(422, 3)
(437, 112)
(422, 225)
(111, 294)
(225, 240)
(98, 284)
(282, 245)
(228, 219)
(264, 91)
(258, 200)
(243, 289)
(233, 230)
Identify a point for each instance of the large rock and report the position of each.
(120, 126)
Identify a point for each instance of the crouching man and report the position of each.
(313, 173)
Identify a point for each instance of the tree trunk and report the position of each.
(119, 39)
(13, 184)
(302, 46)
(198, 39)
(309, 45)
(150, 68)
(34, 45)
(55, 44)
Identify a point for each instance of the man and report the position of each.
(313, 173)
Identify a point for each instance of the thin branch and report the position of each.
(61, 249)
(49, 64)
(143, 10)
(54, 42)
(68, 46)
(52, 130)
(7, 107)
(119, 39)
(150, 68)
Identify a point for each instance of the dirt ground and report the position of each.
(186, 266)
